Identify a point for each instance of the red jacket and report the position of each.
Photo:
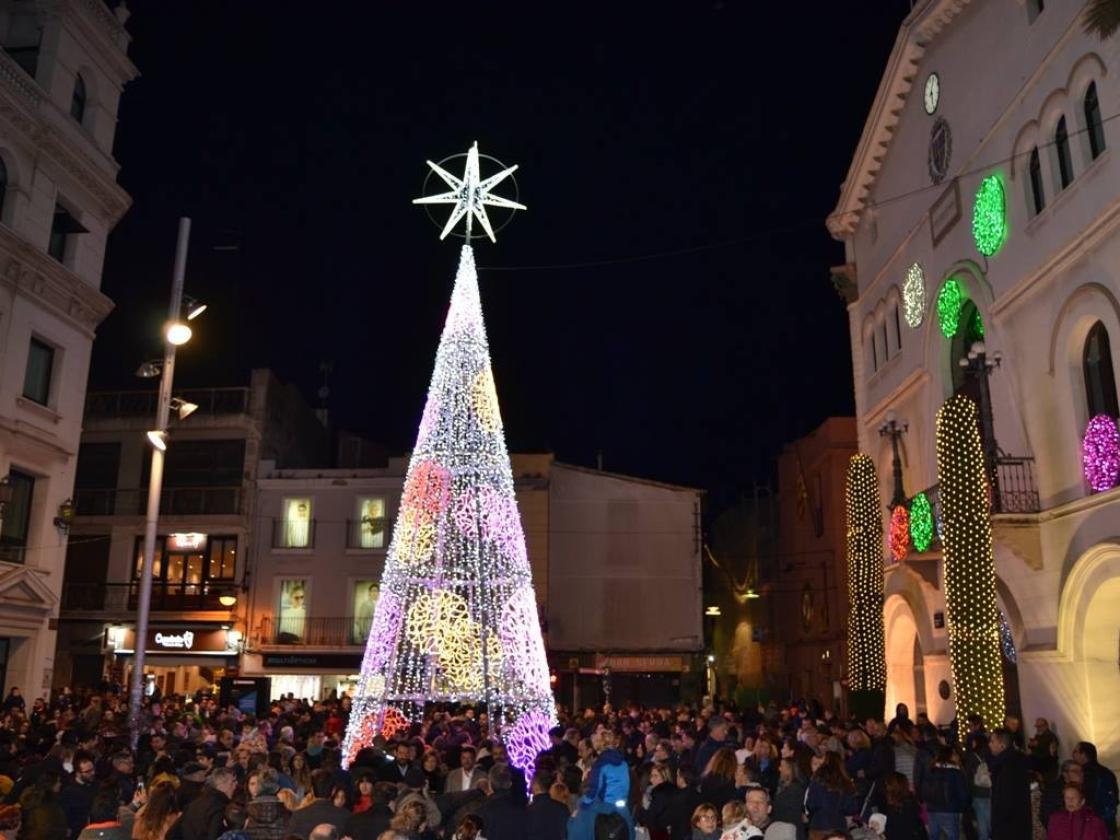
(1081, 824)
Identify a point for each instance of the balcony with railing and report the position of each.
(304, 631)
(1017, 490)
(174, 501)
(369, 534)
(166, 597)
(211, 402)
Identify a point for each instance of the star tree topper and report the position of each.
(470, 195)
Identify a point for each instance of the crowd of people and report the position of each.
(203, 772)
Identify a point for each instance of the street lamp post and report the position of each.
(895, 430)
(980, 365)
(173, 335)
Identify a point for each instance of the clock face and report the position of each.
(940, 149)
(932, 92)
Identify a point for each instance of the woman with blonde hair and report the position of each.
(705, 822)
(155, 819)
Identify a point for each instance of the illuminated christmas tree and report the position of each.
(457, 617)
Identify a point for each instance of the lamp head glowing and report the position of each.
(184, 408)
(158, 439)
(178, 333)
(193, 307)
(227, 601)
(149, 370)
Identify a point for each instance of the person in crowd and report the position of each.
(1075, 820)
(944, 792)
(658, 803)
(789, 801)
(155, 819)
(41, 813)
(1011, 795)
(77, 795)
(760, 816)
(433, 771)
(901, 808)
(830, 798)
(267, 817)
(370, 822)
(705, 822)
(547, 818)
(717, 784)
(502, 813)
(469, 828)
(104, 820)
(717, 740)
(1043, 748)
(321, 810)
(466, 774)
(1099, 785)
(1053, 793)
(607, 791)
(204, 819)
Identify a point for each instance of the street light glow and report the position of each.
(178, 333)
(158, 439)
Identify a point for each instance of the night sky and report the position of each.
(666, 297)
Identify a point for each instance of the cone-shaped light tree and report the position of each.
(867, 670)
(457, 618)
(970, 574)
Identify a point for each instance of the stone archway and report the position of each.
(905, 665)
(1089, 632)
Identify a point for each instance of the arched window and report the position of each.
(3, 187)
(897, 330)
(1100, 383)
(1061, 148)
(78, 99)
(874, 351)
(1038, 195)
(970, 331)
(1093, 124)
(886, 343)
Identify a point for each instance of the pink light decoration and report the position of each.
(383, 633)
(522, 646)
(900, 533)
(429, 420)
(366, 732)
(428, 488)
(501, 523)
(465, 514)
(1100, 453)
(528, 738)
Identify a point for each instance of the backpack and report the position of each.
(983, 776)
(611, 827)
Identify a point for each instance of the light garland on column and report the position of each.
(972, 618)
(867, 670)
(457, 618)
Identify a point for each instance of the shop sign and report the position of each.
(178, 640)
(343, 662)
(191, 541)
(649, 664)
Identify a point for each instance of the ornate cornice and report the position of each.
(30, 272)
(921, 27)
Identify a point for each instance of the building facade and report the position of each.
(202, 572)
(1013, 303)
(63, 66)
(807, 597)
(599, 545)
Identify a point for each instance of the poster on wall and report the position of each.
(364, 599)
(291, 620)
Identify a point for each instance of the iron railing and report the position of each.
(210, 401)
(1018, 492)
(307, 631)
(168, 597)
(293, 533)
(367, 533)
(173, 501)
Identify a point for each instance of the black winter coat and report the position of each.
(1011, 796)
(548, 819)
(204, 818)
(503, 817)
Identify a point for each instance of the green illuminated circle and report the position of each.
(949, 301)
(976, 328)
(989, 216)
(921, 522)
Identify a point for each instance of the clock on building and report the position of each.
(940, 149)
(932, 92)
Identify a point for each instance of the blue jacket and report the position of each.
(610, 780)
(827, 808)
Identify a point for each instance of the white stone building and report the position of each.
(63, 65)
(1016, 89)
